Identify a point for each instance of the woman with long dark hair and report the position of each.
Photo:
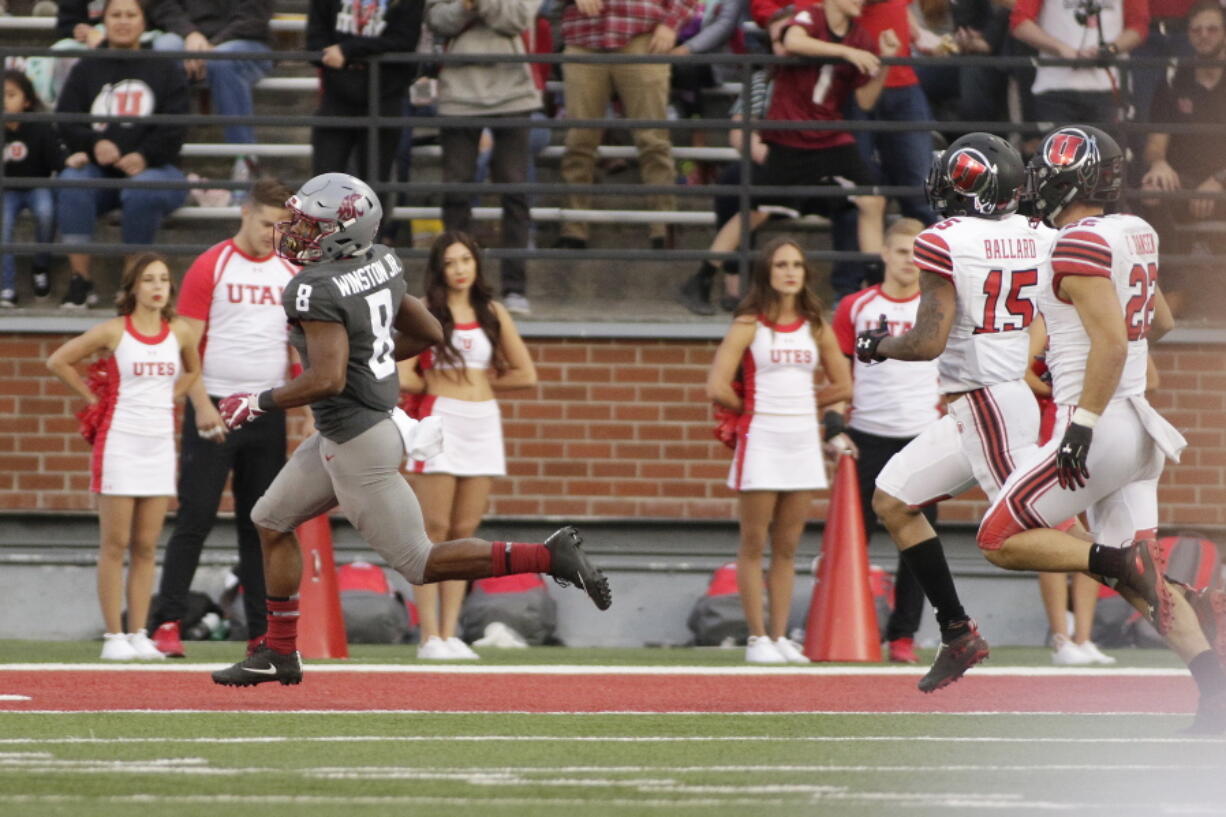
(766, 370)
(456, 380)
(149, 361)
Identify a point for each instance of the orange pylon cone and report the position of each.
(842, 622)
(321, 624)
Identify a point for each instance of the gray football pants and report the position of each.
(363, 477)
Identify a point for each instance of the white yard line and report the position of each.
(569, 714)
(586, 669)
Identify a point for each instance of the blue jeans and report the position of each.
(231, 82)
(41, 204)
(900, 157)
(143, 210)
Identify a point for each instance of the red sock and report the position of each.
(282, 633)
(517, 557)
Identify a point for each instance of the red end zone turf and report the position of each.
(76, 690)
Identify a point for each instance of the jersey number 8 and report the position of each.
(382, 359)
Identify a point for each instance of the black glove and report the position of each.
(833, 425)
(868, 340)
(1071, 456)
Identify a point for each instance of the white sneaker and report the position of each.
(460, 650)
(790, 650)
(1097, 656)
(145, 649)
(517, 304)
(1067, 654)
(116, 647)
(434, 649)
(761, 650)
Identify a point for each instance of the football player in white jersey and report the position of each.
(979, 281)
(1100, 309)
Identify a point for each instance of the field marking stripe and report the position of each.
(569, 714)
(269, 739)
(581, 669)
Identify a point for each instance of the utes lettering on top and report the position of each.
(362, 18)
(795, 357)
(254, 294)
(154, 368)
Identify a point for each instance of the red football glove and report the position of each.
(239, 409)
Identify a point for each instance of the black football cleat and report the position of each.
(1210, 607)
(1144, 565)
(955, 658)
(569, 565)
(1210, 716)
(262, 666)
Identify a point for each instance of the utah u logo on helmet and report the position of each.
(1064, 148)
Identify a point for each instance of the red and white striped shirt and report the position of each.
(244, 346)
(620, 21)
(998, 268)
(1124, 249)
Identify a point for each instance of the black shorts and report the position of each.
(840, 166)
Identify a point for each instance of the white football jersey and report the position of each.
(1123, 248)
(998, 267)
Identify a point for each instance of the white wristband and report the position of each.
(1083, 417)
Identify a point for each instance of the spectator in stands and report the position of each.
(488, 89)
(1188, 161)
(891, 404)
(350, 33)
(149, 362)
(972, 93)
(31, 150)
(231, 303)
(457, 380)
(619, 27)
(765, 370)
(221, 26)
(1089, 30)
(712, 28)
(1168, 38)
(842, 62)
(133, 89)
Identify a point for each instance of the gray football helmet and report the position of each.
(334, 215)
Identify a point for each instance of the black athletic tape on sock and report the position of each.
(1107, 561)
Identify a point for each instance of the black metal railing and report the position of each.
(744, 191)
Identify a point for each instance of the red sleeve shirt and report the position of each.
(844, 327)
(196, 293)
(932, 255)
(816, 91)
(892, 14)
(1079, 252)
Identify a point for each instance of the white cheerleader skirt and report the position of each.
(127, 464)
(778, 453)
(472, 438)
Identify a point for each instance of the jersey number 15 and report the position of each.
(1017, 311)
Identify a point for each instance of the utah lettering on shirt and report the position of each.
(253, 294)
(370, 276)
(997, 248)
(154, 368)
(796, 357)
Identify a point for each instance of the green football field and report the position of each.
(571, 731)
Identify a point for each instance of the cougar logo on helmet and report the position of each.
(969, 171)
(347, 211)
(1064, 148)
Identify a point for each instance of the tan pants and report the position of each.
(643, 90)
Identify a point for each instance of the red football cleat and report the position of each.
(168, 641)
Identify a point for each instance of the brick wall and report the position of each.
(616, 429)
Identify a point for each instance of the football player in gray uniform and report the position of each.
(351, 320)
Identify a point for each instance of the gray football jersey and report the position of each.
(364, 294)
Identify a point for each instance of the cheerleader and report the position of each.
(456, 381)
(130, 422)
(765, 369)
